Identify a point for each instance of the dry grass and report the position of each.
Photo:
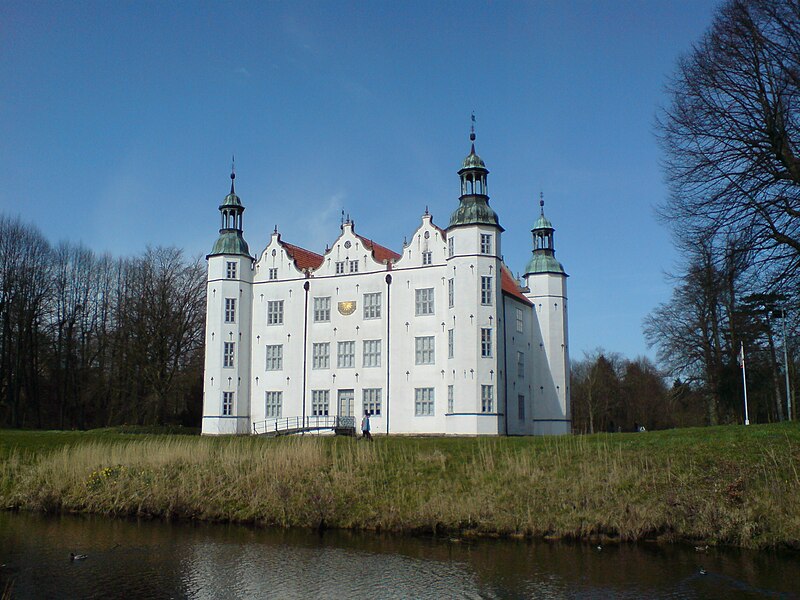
(722, 485)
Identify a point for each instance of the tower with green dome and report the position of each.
(226, 389)
(546, 288)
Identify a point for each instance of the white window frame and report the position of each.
(322, 309)
(230, 269)
(274, 312)
(320, 403)
(371, 357)
(321, 355)
(230, 310)
(486, 342)
(427, 257)
(228, 355)
(451, 346)
(339, 267)
(423, 302)
(273, 404)
(520, 365)
(486, 290)
(520, 321)
(486, 243)
(487, 398)
(371, 401)
(273, 273)
(451, 292)
(450, 399)
(372, 305)
(425, 350)
(346, 354)
(424, 402)
(274, 354)
(354, 266)
(227, 403)
(451, 246)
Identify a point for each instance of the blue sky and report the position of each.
(118, 121)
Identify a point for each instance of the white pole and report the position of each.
(744, 383)
(786, 368)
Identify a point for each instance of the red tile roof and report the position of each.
(379, 253)
(511, 287)
(304, 259)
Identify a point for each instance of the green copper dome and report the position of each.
(230, 242)
(473, 161)
(544, 263)
(542, 223)
(474, 210)
(231, 200)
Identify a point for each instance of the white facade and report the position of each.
(439, 339)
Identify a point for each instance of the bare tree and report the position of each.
(730, 133)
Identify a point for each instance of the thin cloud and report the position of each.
(242, 72)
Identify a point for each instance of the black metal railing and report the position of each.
(290, 425)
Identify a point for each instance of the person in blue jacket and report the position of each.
(365, 427)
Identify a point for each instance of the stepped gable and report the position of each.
(304, 259)
(511, 287)
(380, 253)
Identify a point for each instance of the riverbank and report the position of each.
(723, 485)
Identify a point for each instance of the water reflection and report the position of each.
(162, 560)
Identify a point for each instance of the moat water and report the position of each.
(153, 559)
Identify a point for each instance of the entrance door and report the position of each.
(346, 403)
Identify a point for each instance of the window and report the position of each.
(424, 350)
(450, 343)
(423, 402)
(274, 404)
(228, 354)
(450, 401)
(354, 266)
(347, 355)
(450, 246)
(322, 309)
(275, 357)
(486, 291)
(230, 310)
(340, 267)
(487, 398)
(319, 402)
(486, 243)
(321, 355)
(486, 343)
(424, 301)
(273, 274)
(451, 292)
(227, 404)
(427, 257)
(372, 353)
(275, 312)
(519, 321)
(372, 306)
(230, 270)
(521, 407)
(520, 365)
(372, 401)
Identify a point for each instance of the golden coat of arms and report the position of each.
(348, 307)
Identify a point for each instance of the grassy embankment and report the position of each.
(725, 485)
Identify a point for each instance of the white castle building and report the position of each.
(438, 339)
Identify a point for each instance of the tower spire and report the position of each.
(472, 132)
(233, 172)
